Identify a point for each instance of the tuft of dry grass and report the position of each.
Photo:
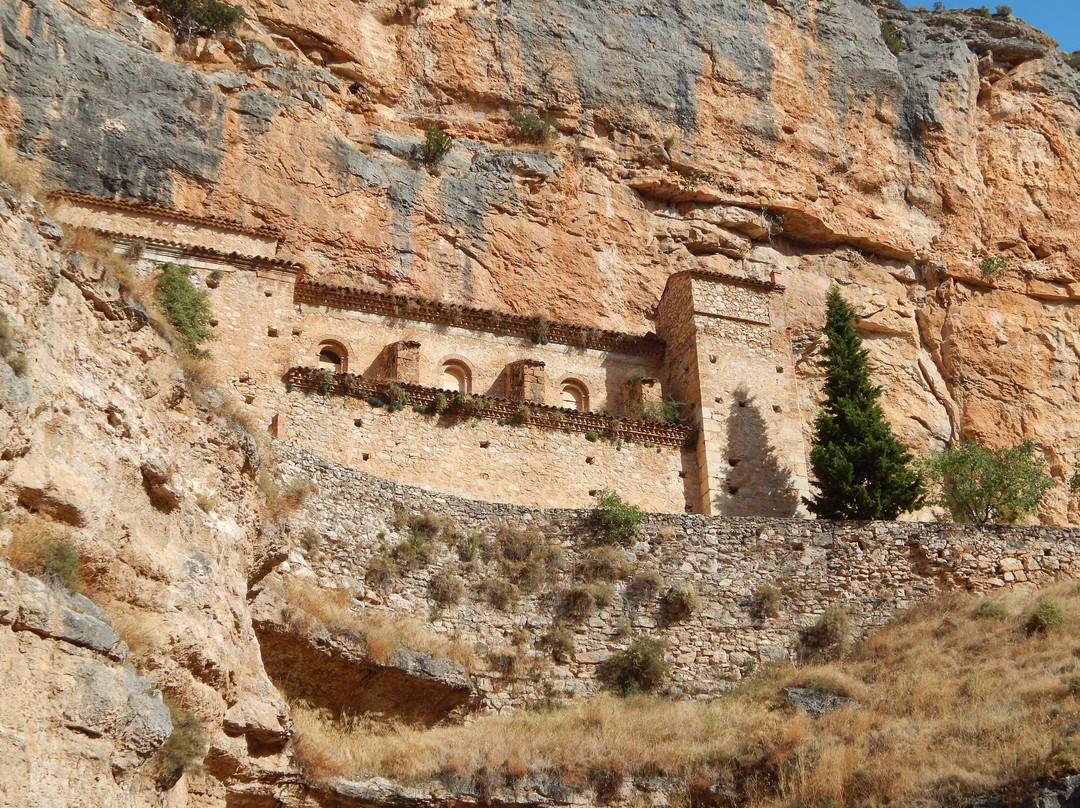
(382, 633)
(951, 706)
(21, 173)
(42, 547)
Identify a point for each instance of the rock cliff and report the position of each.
(743, 137)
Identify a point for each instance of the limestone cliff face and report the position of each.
(101, 441)
(739, 136)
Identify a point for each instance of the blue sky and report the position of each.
(1059, 18)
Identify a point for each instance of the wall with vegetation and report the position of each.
(549, 601)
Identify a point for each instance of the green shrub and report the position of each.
(976, 484)
(580, 601)
(996, 266)
(766, 602)
(1003, 11)
(891, 36)
(538, 129)
(641, 668)
(681, 601)
(592, 436)
(191, 17)
(1073, 59)
(436, 146)
(987, 609)
(396, 397)
(668, 411)
(619, 521)
(446, 587)
(185, 748)
(185, 307)
(1044, 615)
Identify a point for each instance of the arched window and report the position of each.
(333, 356)
(456, 376)
(575, 395)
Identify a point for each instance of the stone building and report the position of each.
(701, 416)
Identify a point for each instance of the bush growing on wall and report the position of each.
(641, 668)
(619, 521)
(436, 146)
(185, 307)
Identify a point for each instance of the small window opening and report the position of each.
(589, 460)
(365, 455)
(456, 376)
(249, 399)
(271, 332)
(484, 444)
(358, 422)
(267, 292)
(575, 396)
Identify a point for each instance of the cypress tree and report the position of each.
(860, 469)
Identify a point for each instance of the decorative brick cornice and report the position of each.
(537, 329)
(492, 407)
(168, 213)
(185, 251)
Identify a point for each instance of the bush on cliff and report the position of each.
(976, 484)
(185, 307)
(860, 469)
(188, 18)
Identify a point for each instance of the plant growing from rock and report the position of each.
(190, 17)
(860, 469)
(42, 548)
(580, 601)
(603, 563)
(766, 602)
(560, 640)
(641, 668)
(976, 484)
(996, 266)
(829, 634)
(500, 593)
(681, 601)
(436, 146)
(382, 570)
(186, 308)
(417, 551)
(185, 748)
(645, 586)
(618, 521)
(533, 128)
(446, 587)
(891, 37)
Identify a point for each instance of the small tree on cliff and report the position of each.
(860, 469)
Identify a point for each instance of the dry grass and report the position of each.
(21, 173)
(953, 705)
(42, 547)
(382, 632)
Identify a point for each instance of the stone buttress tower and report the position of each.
(729, 358)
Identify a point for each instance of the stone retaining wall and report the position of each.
(873, 569)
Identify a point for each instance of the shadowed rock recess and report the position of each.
(364, 523)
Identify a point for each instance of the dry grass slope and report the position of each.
(956, 700)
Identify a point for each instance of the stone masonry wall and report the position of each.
(481, 458)
(873, 569)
